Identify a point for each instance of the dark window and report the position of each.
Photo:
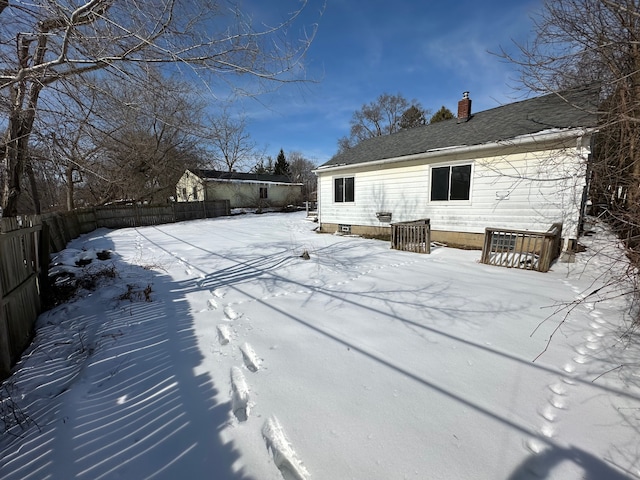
(263, 192)
(195, 193)
(349, 189)
(460, 182)
(344, 189)
(440, 183)
(450, 183)
(184, 193)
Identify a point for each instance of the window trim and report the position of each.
(344, 189)
(451, 165)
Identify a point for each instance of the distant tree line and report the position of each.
(388, 114)
(102, 101)
(296, 168)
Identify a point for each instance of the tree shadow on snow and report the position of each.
(543, 464)
(130, 404)
(252, 264)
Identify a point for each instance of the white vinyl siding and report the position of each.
(520, 191)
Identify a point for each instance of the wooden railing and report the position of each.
(524, 249)
(414, 236)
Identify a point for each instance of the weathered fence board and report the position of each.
(25, 244)
(122, 216)
(195, 210)
(20, 266)
(524, 249)
(414, 236)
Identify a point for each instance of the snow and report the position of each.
(218, 351)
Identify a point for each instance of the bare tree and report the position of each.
(301, 170)
(232, 146)
(597, 42)
(381, 117)
(48, 42)
(144, 139)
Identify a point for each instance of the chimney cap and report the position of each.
(465, 95)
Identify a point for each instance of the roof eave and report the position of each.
(447, 151)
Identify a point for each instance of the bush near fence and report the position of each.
(26, 243)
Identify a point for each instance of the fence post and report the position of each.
(44, 260)
(486, 249)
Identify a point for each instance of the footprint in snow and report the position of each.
(534, 446)
(558, 389)
(212, 304)
(251, 360)
(231, 314)
(580, 359)
(224, 334)
(547, 430)
(217, 293)
(549, 413)
(557, 402)
(239, 395)
(284, 455)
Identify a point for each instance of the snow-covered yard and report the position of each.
(218, 352)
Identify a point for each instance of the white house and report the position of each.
(519, 166)
(243, 190)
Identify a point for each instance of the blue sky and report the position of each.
(430, 51)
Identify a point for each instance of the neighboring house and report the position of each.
(519, 166)
(243, 190)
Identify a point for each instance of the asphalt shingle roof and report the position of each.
(254, 177)
(575, 109)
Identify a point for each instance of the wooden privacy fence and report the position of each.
(22, 264)
(414, 236)
(27, 241)
(121, 216)
(522, 248)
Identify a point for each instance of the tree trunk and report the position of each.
(16, 152)
(34, 187)
(69, 175)
(24, 98)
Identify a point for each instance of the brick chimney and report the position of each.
(464, 108)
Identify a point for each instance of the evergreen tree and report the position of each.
(412, 117)
(282, 166)
(443, 114)
(263, 168)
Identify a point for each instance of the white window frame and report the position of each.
(333, 184)
(451, 165)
